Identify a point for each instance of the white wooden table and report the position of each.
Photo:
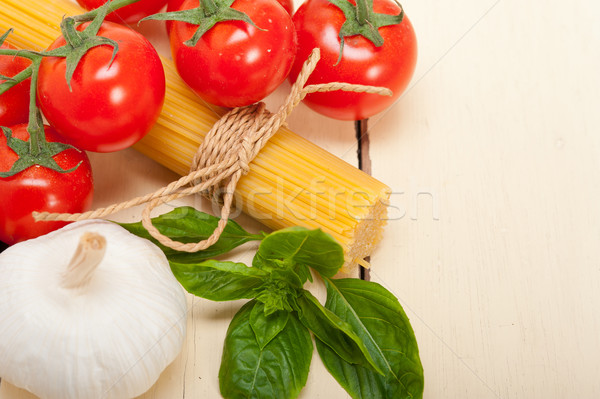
(493, 243)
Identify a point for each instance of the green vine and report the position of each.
(36, 150)
(362, 20)
(205, 16)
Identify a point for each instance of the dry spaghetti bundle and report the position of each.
(291, 181)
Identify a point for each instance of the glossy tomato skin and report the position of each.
(235, 64)
(110, 107)
(174, 5)
(14, 103)
(392, 65)
(40, 189)
(128, 14)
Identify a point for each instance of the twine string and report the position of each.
(222, 159)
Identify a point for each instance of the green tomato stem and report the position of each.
(37, 137)
(15, 80)
(30, 55)
(71, 35)
(112, 6)
(36, 150)
(205, 16)
(364, 9)
(35, 127)
(209, 6)
(362, 20)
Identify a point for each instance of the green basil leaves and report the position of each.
(278, 369)
(378, 319)
(186, 224)
(219, 281)
(298, 248)
(362, 334)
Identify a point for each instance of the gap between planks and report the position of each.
(361, 128)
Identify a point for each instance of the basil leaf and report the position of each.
(360, 382)
(298, 246)
(277, 371)
(379, 320)
(188, 225)
(279, 290)
(219, 281)
(334, 332)
(267, 326)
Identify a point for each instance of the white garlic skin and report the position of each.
(111, 339)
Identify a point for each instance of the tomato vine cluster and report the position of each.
(101, 85)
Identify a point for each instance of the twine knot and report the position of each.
(232, 139)
(222, 159)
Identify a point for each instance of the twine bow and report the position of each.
(222, 159)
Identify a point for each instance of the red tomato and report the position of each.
(109, 107)
(128, 14)
(318, 23)
(287, 4)
(40, 189)
(235, 64)
(174, 5)
(14, 103)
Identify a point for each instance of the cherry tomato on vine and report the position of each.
(111, 105)
(40, 189)
(234, 63)
(14, 103)
(318, 23)
(128, 14)
(287, 4)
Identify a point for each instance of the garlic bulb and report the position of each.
(88, 311)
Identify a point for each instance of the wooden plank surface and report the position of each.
(492, 244)
(493, 155)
